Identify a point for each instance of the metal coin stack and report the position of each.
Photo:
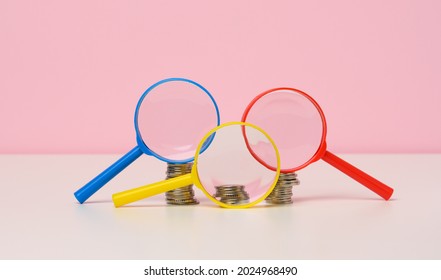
(184, 195)
(232, 194)
(282, 192)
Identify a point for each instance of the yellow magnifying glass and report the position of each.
(232, 172)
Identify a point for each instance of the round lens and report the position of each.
(172, 117)
(229, 173)
(295, 122)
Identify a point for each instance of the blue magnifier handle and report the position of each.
(99, 181)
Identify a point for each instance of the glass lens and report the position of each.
(173, 117)
(230, 173)
(293, 122)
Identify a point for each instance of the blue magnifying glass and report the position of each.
(171, 117)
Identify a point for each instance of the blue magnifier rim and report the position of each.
(144, 147)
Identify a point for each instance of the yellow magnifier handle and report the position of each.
(129, 196)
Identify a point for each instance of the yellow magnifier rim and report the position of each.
(197, 181)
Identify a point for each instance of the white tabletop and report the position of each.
(332, 217)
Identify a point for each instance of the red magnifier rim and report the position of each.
(322, 147)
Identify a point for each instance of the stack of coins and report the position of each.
(282, 192)
(232, 194)
(184, 195)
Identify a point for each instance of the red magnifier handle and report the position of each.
(358, 175)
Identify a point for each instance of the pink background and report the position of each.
(71, 73)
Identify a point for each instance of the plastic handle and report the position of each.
(129, 196)
(99, 181)
(358, 175)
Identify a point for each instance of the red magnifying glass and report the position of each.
(298, 126)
